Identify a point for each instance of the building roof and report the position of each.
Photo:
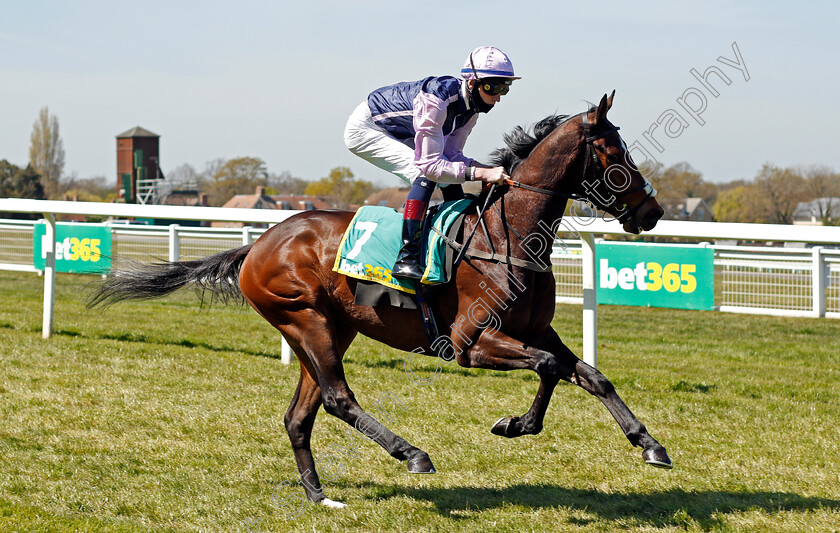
(136, 131)
(252, 201)
(187, 198)
(806, 210)
(300, 201)
(685, 208)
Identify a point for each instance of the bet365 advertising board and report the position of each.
(78, 248)
(679, 277)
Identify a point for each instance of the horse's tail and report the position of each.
(216, 275)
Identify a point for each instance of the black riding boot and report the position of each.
(407, 265)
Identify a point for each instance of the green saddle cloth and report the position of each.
(373, 240)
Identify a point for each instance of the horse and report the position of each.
(495, 313)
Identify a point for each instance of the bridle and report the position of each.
(593, 169)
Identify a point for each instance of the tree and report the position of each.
(341, 185)
(237, 176)
(16, 182)
(823, 184)
(780, 190)
(285, 183)
(739, 204)
(46, 151)
(682, 181)
(96, 189)
(183, 177)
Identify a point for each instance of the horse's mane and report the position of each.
(520, 143)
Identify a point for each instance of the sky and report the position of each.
(277, 80)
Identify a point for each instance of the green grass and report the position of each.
(162, 416)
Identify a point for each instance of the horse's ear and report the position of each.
(601, 113)
(610, 100)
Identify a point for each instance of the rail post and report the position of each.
(590, 301)
(818, 281)
(174, 243)
(48, 245)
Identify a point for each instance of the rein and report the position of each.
(548, 192)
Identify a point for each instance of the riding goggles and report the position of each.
(496, 86)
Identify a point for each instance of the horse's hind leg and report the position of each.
(340, 402)
(320, 345)
(299, 419)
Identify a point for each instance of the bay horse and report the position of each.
(287, 277)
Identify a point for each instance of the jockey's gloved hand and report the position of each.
(492, 175)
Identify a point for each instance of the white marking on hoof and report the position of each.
(660, 464)
(650, 457)
(326, 502)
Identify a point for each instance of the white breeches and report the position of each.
(372, 143)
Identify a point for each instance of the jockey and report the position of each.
(417, 130)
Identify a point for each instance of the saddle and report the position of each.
(372, 242)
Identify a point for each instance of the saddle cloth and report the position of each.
(373, 240)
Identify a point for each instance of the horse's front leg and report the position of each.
(595, 383)
(552, 361)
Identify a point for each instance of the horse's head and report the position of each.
(611, 180)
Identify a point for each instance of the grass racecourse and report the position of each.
(163, 416)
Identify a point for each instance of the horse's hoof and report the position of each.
(657, 457)
(421, 464)
(504, 427)
(326, 502)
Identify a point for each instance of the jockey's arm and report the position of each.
(439, 157)
(453, 149)
(430, 144)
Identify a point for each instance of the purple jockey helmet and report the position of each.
(488, 62)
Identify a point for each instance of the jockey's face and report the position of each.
(488, 99)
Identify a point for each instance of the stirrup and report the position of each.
(407, 268)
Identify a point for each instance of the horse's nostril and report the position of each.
(655, 214)
(651, 218)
